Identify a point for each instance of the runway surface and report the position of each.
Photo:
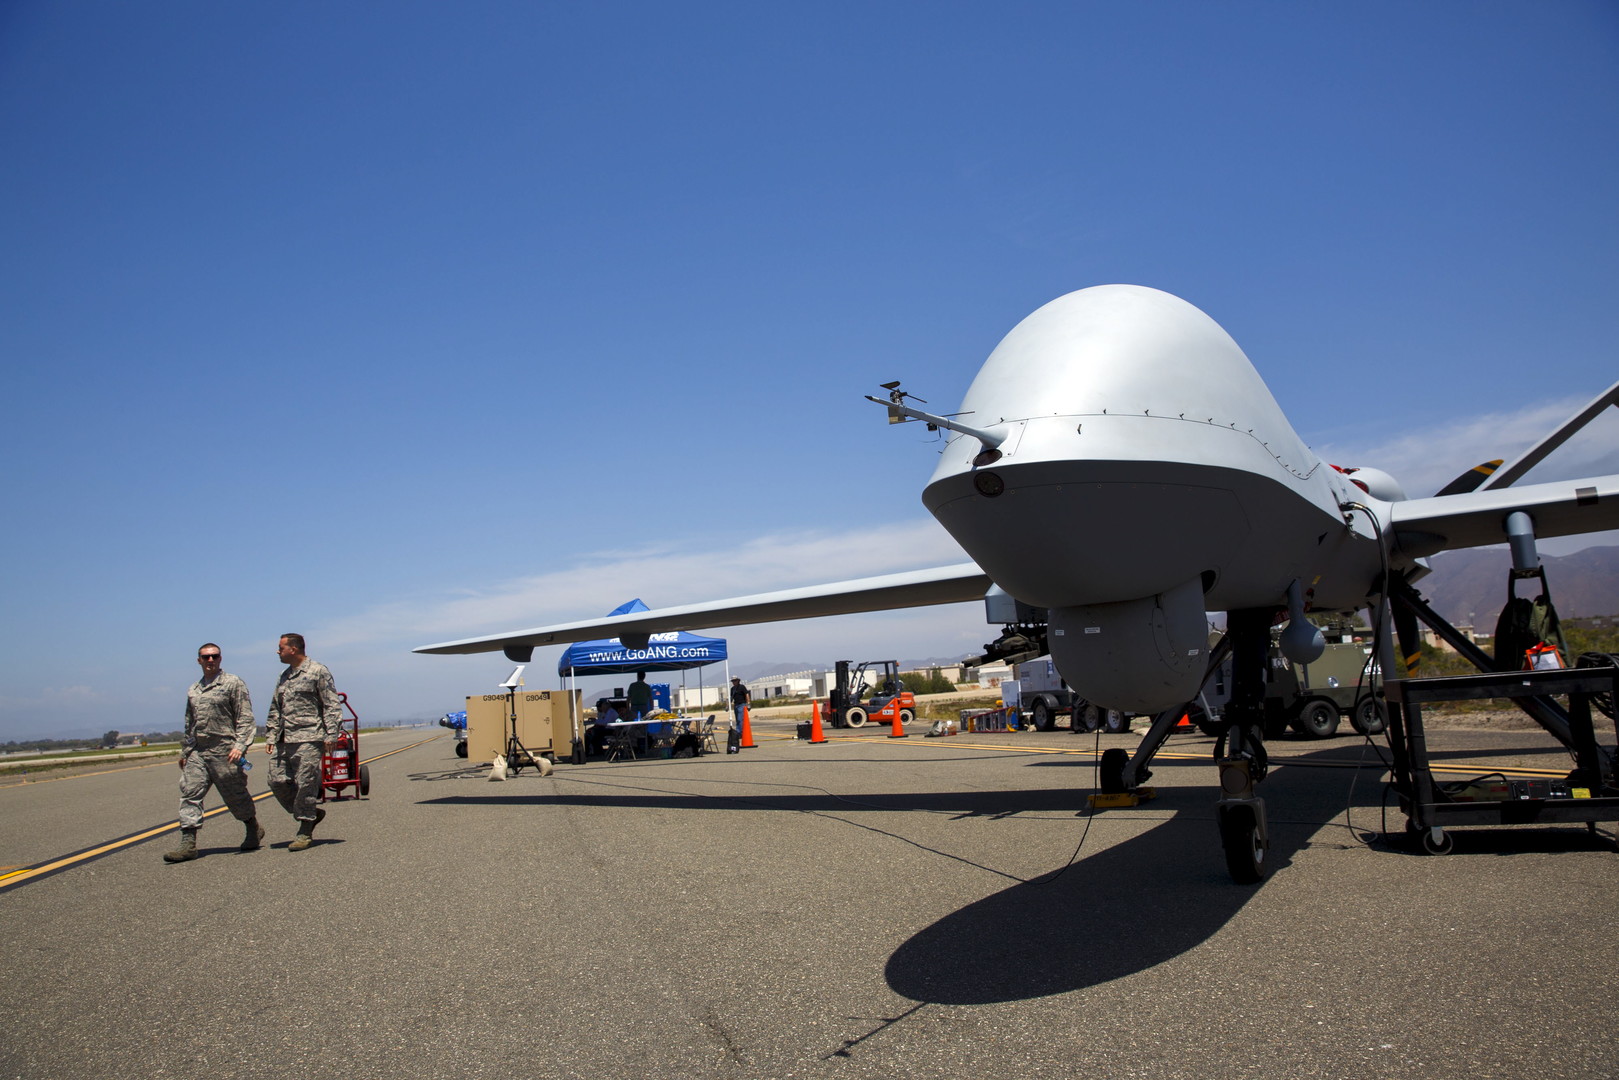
(867, 908)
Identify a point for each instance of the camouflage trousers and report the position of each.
(210, 766)
(295, 778)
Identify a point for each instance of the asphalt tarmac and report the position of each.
(867, 908)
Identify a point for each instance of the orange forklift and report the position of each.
(888, 700)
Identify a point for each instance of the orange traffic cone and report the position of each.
(899, 729)
(1185, 722)
(747, 729)
(816, 734)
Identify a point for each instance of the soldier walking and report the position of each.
(305, 715)
(218, 731)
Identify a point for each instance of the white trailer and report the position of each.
(1043, 696)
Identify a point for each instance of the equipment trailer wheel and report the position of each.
(1085, 718)
(1244, 851)
(1042, 716)
(365, 779)
(1115, 722)
(855, 717)
(1368, 717)
(1317, 718)
(461, 748)
(1201, 720)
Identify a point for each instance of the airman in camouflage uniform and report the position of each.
(305, 715)
(218, 731)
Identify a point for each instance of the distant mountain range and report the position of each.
(1470, 586)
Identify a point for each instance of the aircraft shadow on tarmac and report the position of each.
(1122, 910)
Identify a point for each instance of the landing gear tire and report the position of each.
(1111, 769)
(1368, 717)
(1205, 723)
(1042, 716)
(1244, 848)
(1085, 718)
(1115, 722)
(1317, 719)
(855, 717)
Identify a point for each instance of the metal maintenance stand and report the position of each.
(1590, 793)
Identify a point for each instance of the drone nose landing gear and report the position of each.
(1241, 814)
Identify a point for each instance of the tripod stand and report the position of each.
(518, 756)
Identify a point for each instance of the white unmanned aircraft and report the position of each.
(1124, 403)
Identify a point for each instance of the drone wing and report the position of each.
(1477, 518)
(914, 588)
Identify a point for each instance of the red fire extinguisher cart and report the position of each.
(340, 764)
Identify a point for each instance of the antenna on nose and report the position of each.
(899, 413)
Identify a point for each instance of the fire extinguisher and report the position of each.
(340, 759)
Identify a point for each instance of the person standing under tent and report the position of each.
(640, 696)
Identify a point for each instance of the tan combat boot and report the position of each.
(254, 837)
(187, 849)
(306, 832)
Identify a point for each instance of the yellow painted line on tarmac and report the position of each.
(26, 874)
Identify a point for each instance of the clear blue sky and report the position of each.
(396, 322)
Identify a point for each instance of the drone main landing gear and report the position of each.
(1241, 815)
(1244, 833)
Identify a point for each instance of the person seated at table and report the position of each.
(596, 734)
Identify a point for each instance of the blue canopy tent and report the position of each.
(677, 651)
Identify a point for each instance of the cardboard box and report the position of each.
(544, 723)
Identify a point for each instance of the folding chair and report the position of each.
(706, 734)
(619, 744)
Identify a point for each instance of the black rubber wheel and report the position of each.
(1042, 716)
(1115, 722)
(461, 748)
(855, 717)
(365, 779)
(1244, 852)
(1085, 718)
(1205, 723)
(1317, 718)
(1368, 717)
(1111, 770)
